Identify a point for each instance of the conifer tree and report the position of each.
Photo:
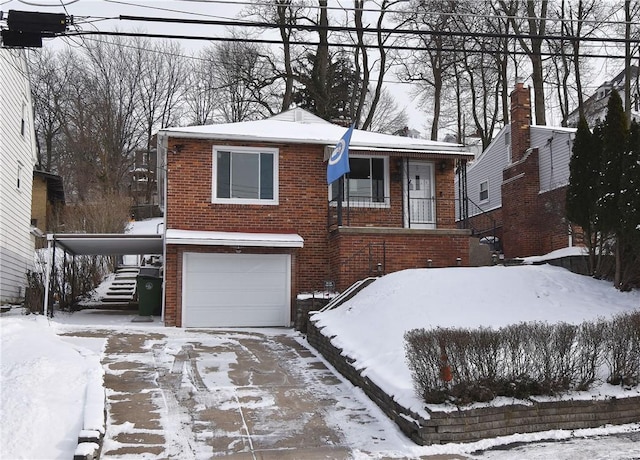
(615, 133)
(614, 145)
(584, 169)
(629, 206)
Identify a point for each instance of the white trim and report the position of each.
(511, 179)
(239, 149)
(407, 194)
(483, 200)
(266, 240)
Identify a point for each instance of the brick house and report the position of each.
(516, 188)
(250, 221)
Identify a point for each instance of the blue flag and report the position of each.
(338, 164)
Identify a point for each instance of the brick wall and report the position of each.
(302, 205)
(520, 121)
(534, 222)
(465, 425)
(520, 188)
(356, 252)
(303, 209)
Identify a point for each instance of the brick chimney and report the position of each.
(520, 121)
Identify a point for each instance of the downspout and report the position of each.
(163, 147)
(47, 276)
(550, 144)
(408, 194)
(53, 271)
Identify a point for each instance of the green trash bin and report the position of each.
(149, 295)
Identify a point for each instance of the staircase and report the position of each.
(122, 291)
(348, 293)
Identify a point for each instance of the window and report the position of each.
(245, 175)
(19, 176)
(484, 191)
(23, 122)
(366, 182)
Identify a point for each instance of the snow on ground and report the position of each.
(45, 382)
(370, 327)
(45, 376)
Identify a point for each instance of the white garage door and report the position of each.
(221, 290)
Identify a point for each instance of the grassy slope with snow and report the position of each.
(370, 327)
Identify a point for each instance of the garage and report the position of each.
(236, 290)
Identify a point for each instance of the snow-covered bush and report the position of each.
(522, 360)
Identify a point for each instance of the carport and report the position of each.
(98, 244)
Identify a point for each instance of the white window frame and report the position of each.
(483, 200)
(371, 204)
(252, 150)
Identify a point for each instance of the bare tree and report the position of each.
(381, 65)
(387, 116)
(531, 31)
(49, 72)
(434, 18)
(201, 100)
(115, 68)
(161, 85)
(483, 72)
(243, 81)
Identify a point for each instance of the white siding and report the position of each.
(554, 144)
(17, 157)
(488, 167)
(554, 152)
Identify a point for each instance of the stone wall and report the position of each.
(467, 425)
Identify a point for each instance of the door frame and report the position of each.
(407, 194)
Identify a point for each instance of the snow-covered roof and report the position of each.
(560, 129)
(280, 240)
(301, 127)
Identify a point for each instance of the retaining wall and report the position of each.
(467, 425)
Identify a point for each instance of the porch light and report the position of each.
(443, 165)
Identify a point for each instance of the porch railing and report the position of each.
(418, 211)
(340, 215)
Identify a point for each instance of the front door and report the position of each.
(420, 190)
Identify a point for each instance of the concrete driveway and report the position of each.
(243, 394)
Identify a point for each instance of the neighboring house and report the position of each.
(595, 107)
(47, 201)
(250, 221)
(517, 186)
(143, 188)
(17, 158)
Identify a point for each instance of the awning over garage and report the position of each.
(107, 243)
(270, 240)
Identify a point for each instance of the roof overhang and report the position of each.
(265, 240)
(108, 243)
(404, 153)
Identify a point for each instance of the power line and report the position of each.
(311, 43)
(376, 30)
